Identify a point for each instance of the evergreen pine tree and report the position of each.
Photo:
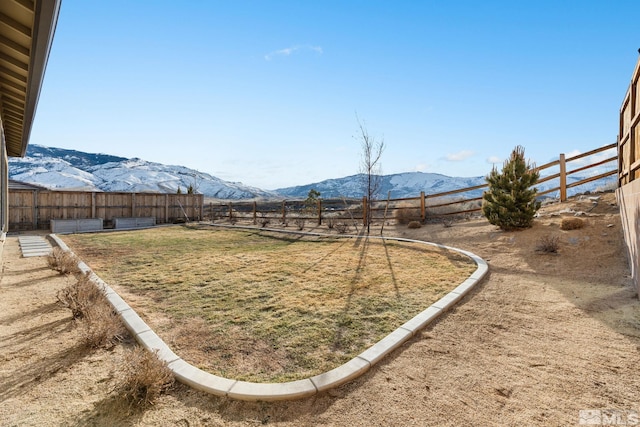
(510, 203)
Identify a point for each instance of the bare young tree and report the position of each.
(370, 168)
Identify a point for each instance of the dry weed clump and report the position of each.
(329, 222)
(571, 224)
(146, 377)
(404, 216)
(63, 261)
(101, 325)
(300, 223)
(264, 221)
(414, 224)
(342, 227)
(548, 244)
(80, 296)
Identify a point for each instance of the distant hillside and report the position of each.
(59, 169)
(75, 158)
(408, 184)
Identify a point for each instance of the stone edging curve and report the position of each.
(243, 390)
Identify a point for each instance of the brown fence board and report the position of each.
(31, 209)
(291, 208)
(629, 132)
(34, 209)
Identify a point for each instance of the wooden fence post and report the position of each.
(231, 212)
(284, 211)
(166, 208)
(34, 211)
(364, 211)
(423, 210)
(563, 178)
(255, 210)
(386, 208)
(319, 212)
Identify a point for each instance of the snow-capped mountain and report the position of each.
(408, 184)
(60, 169)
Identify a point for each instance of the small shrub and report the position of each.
(548, 244)
(80, 296)
(102, 326)
(63, 261)
(414, 224)
(510, 202)
(146, 377)
(88, 303)
(571, 224)
(405, 216)
(300, 222)
(264, 221)
(329, 222)
(342, 227)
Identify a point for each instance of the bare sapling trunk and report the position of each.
(370, 169)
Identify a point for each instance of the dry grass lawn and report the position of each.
(264, 306)
(543, 337)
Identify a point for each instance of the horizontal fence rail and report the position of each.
(438, 206)
(34, 209)
(31, 209)
(629, 132)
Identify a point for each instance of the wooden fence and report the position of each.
(629, 132)
(32, 209)
(628, 193)
(464, 201)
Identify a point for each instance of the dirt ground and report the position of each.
(543, 337)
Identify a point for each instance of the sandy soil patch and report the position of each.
(544, 336)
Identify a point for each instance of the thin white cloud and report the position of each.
(421, 167)
(459, 156)
(291, 50)
(492, 160)
(588, 160)
(572, 153)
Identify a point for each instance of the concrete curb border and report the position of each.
(243, 390)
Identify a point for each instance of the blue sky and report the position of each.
(268, 92)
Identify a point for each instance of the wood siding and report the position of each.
(629, 132)
(34, 209)
(628, 193)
